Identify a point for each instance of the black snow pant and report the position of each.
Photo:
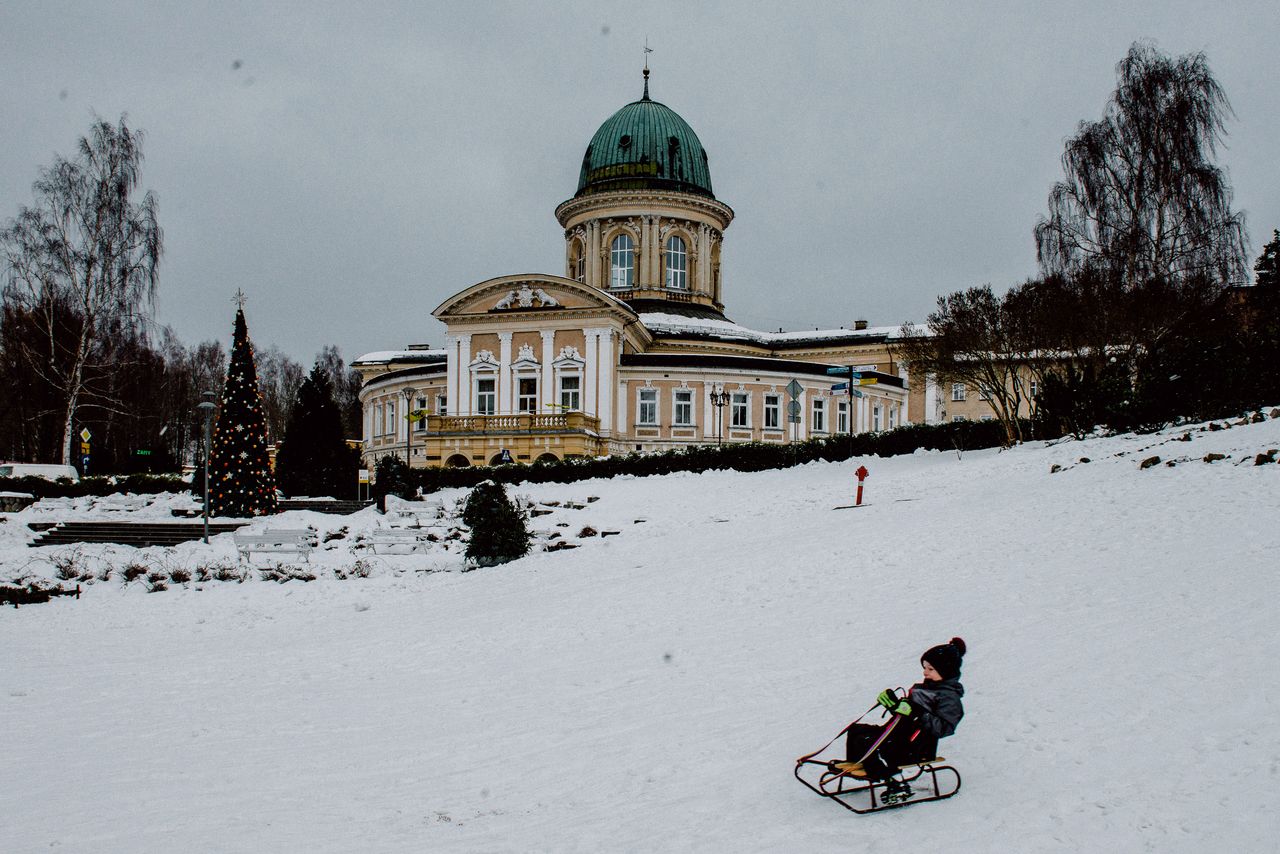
(904, 745)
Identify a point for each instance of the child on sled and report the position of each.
(930, 711)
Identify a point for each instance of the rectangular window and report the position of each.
(875, 418)
(486, 396)
(893, 417)
(819, 416)
(647, 411)
(420, 415)
(389, 425)
(983, 393)
(1033, 389)
(377, 419)
(683, 406)
(442, 405)
(739, 406)
(772, 412)
(571, 393)
(987, 418)
(527, 394)
(958, 418)
(957, 391)
(842, 416)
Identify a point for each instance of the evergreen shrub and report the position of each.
(498, 531)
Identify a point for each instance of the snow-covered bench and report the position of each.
(297, 541)
(124, 503)
(415, 539)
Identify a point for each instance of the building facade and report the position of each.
(631, 348)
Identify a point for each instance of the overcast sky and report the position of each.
(350, 169)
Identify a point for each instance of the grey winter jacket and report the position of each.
(936, 706)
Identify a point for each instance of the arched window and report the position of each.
(577, 265)
(622, 262)
(677, 259)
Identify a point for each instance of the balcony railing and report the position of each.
(524, 422)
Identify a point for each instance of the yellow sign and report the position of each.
(84, 447)
(364, 475)
(867, 381)
(84, 434)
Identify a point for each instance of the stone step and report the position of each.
(137, 534)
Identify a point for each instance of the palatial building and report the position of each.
(631, 348)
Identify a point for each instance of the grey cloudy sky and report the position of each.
(351, 166)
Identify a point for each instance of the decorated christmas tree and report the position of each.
(240, 478)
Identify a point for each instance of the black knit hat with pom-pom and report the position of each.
(946, 658)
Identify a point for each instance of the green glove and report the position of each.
(887, 699)
(903, 708)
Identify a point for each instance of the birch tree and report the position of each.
(88, 248)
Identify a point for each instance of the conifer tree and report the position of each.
(314, 458)
(240, 478)
(498, 531)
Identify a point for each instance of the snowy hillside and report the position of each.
(650, 691)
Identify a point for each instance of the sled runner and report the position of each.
(912, 784)
(845, 783)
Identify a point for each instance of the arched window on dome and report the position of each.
(622, 262)
(577, 261)
(677, 264)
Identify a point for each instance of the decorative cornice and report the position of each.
(643, 198)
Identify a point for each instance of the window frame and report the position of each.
(740, 401)
(561, 391)
(818, 415)
(677, 404)
(773, 406)
(958, 392)
(491, 395)
(618, 253)
(676, 276)
(521, 397)
(646, 398)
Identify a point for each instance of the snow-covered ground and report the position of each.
(650, 691)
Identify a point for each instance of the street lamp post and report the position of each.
(719, 399)
(408, 393)
(207, 406)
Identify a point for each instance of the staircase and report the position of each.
(137, 534)
(336, 508)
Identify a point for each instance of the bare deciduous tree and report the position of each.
(83, 262)
(1142, 194)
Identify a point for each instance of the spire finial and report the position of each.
(240, 299)
(647, 50)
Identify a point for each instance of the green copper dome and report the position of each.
(645, 145)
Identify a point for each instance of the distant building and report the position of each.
(631, 349)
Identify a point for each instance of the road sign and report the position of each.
(505, 456)
(793, 409)
(85, 434)
(794, 389)
(364, 476)
(864, 367)
(866, 381)
(84, 448)
(840, 387)
(795, 419)
(843, 372)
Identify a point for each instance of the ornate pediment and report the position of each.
(525, 297)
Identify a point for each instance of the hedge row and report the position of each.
(753, 456)
(140, 484)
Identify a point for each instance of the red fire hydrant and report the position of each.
(862, 475)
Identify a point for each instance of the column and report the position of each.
(505, 406)
(608, 372)
(464, 377)
(548, 375)
(591, 372)
(704, 259)
(451, 374)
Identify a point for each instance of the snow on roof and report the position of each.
(385, 356)
(674, 324)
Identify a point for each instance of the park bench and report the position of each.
(414, 538)
(296, 541)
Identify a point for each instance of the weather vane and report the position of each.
(240, 299)
(647, 50)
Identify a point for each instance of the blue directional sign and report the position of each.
(843, 372)
(839, 386)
